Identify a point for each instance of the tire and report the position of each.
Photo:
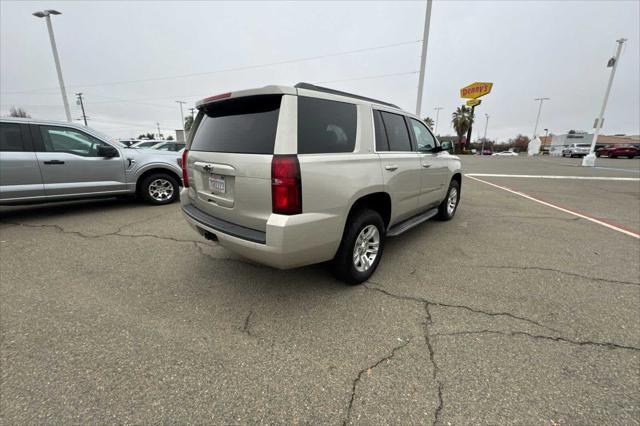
(613, 156)
(445, 210)
(631, 157)
(159, 189)
(346, 265)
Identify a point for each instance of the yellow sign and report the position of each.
(475, 90)
(473, 102)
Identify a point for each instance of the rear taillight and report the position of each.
(286, 185)
(185, 175)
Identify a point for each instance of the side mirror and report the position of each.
(107, 151)
(445, 146)
(436, 149)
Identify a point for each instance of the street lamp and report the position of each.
(484, 139)
(535, 129)
(184, 132)
(435, 130)
(589, 160)
(47, 14)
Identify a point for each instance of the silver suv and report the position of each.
(290, 176)
(44, 161)
(576, 150)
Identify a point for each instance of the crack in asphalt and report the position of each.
(364, 370)
(247, 323)
(432, 354)
(428, 336)
(608, 345)
(117, 233)
(447, 305)
(559, 271)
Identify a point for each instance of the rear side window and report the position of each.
(10, 137)
(325, 126)
(382, 144)
(397, 131)
(244, 125)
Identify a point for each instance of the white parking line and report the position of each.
(629, 179)
(599, 221)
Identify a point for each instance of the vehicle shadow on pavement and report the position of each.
(51, 210)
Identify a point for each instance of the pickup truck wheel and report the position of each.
(361, 247)
(159, 188)
(447, 209)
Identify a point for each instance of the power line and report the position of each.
(368, 78)
(247, 67)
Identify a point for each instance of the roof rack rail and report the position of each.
(310, 86)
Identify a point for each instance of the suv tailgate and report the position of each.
(229, 160)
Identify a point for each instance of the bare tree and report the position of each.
(18, 112)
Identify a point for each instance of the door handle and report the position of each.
(54, 162)
(426, 166)
(391, 167)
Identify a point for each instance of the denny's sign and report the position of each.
(475, 90)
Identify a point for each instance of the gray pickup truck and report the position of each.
(43, 161)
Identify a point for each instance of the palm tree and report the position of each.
(461, 121)
(429, 122)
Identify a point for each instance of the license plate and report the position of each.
(217, 183)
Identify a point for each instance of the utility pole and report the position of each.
(193, 111)
(423, 58)
(484, 139)
(435, 130)
(84, 116)
(184, 132)
(590, 159)
(159, 135)
(535, 129)
(47, 15)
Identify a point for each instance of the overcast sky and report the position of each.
(133, 60)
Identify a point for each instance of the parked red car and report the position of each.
(615, 151)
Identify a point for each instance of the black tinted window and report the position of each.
(10, 137)
(325, 126)
(382, 144)
(397, 132)
(244, 125)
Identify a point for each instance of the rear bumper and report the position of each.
(289, 241)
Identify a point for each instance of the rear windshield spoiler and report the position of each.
(266, 90)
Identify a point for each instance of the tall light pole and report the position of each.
(590, 159)
(535, 129)
(435, 130)
(484, 139)
(423, 58)
(47, 15)
(184, 132)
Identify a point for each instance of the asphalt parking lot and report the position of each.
(515, 312)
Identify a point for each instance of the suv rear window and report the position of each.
(325, 126)
(397, 131)
(244, 125)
